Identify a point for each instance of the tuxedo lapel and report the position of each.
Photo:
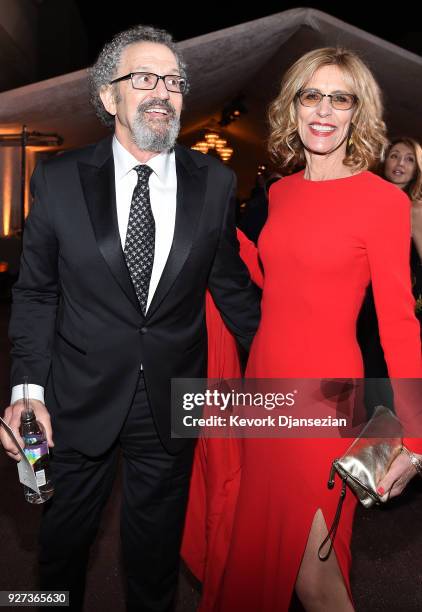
(98, 186)
(191, 186)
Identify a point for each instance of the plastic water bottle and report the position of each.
(36, 451)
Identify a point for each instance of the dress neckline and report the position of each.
(301, 176)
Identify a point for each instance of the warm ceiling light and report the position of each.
(220, 143)
(212, 140)
(226, 153)
(202, 146)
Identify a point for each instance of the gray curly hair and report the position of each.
(104, 69)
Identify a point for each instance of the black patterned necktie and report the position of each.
(140, 237)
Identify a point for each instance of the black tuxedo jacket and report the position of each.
(76, 325)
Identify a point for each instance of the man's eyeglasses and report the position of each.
(149, 80)
(339, 101)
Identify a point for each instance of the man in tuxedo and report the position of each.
(122, 240)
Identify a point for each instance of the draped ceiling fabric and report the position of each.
(247, 59)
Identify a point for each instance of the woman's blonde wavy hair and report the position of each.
(367, 140)
(414, 187)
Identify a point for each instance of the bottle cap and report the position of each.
(27, 416)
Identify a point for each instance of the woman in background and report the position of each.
(403, 167)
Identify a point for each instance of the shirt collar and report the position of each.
(124, 162)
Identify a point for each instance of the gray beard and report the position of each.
(155, 141)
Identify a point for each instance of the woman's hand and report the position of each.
(398, 476)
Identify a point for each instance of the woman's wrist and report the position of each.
(415, 460)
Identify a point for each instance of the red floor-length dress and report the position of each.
(216, 468)
(322, 244)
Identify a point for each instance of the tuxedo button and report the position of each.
(143, 330)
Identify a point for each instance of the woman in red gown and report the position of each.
(330, 231)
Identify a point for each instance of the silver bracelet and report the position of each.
(417, 463)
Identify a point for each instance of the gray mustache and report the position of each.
(157, 104)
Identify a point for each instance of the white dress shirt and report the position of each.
(163, 191)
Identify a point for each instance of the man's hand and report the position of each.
(12, 417)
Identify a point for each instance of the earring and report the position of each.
(350, 141)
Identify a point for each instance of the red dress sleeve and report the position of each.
(388, 248)
(249, 254)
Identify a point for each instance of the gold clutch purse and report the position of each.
(365, 464)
